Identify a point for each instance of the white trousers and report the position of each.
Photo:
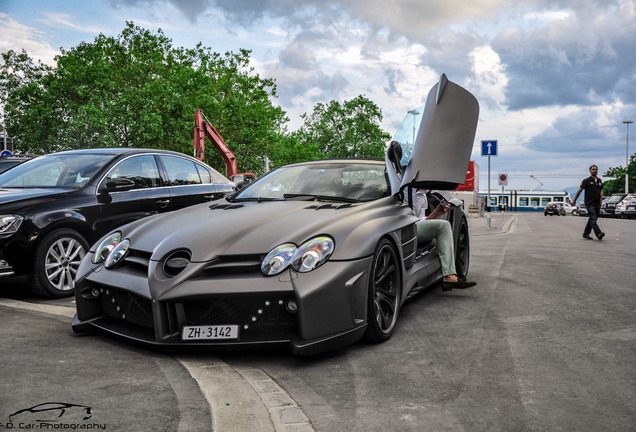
(441, 230)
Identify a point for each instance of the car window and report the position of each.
(140, 169)
(348, 180)
(204, 174)
(5, 165)
(180, 171)
(54, 171)
(217, 177)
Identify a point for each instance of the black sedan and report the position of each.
(554, 208)
(313, 255)
(53, 207)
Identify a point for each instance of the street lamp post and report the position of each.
(627, 122)
(413, 112)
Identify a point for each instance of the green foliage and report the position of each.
(137, 90)
(288, 148)
(617, 184)
(345, 130)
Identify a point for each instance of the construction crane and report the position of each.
(203, 129)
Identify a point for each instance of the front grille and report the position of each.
(260, 318)
(234, 264)
(126, 306)
(137, 262)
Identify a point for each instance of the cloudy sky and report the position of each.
(554, 78)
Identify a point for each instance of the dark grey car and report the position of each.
(313, 256)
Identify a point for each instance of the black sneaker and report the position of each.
(587, 236)
(600, 236)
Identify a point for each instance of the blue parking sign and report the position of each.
(489, 148)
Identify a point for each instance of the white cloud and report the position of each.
(16, 36)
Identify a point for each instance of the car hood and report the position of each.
(247, 228)
(436, 140)
(11, 195)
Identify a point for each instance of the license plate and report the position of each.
(215, 332)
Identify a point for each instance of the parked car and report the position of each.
(570, 209)
(7, 161)
(630, 209)
(608, 207)
(554, 208)
(581, 210)
(313, 256)
(623, 206)
(53, 207)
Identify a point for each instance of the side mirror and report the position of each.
(119, 185)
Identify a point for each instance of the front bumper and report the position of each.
(311, 312)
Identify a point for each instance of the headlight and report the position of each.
(106, 246)
(278, 259)
(312, 254)
(117, 254)
(10, 223)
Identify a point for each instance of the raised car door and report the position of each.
(435, 141)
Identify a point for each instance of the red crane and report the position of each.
(203, 129)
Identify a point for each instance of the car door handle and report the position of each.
(163, 203)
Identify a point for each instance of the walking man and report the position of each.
(593, 187)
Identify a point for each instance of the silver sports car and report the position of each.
(314, 255)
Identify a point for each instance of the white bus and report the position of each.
(523, 200)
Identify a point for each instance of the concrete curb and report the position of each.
(506, 227)
(244, 399)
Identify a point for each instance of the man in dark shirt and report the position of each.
(593, 187)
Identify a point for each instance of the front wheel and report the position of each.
(385, 288)
(57, 258)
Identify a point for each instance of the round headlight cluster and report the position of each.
(111, 250)
(309, 256)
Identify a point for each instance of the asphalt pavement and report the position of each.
(110, 385)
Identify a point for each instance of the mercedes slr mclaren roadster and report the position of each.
(314, 255)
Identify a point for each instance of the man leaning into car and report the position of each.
(593, 187)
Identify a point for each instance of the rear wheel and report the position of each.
(385, 285)
(57, 258)
(462, 250)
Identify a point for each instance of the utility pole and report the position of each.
(627, 122)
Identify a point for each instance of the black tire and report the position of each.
(462, 250)
(57, 258)
(385, 293)
(545, 213)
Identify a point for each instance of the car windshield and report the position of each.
(615, 199)
(54, 171)
(326, 181)
(407, 132)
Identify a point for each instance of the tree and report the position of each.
(287, 148)
(617, 183)
(137, 90)
(345, 130)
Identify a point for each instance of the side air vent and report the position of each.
(225, 206)
(329, 206)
